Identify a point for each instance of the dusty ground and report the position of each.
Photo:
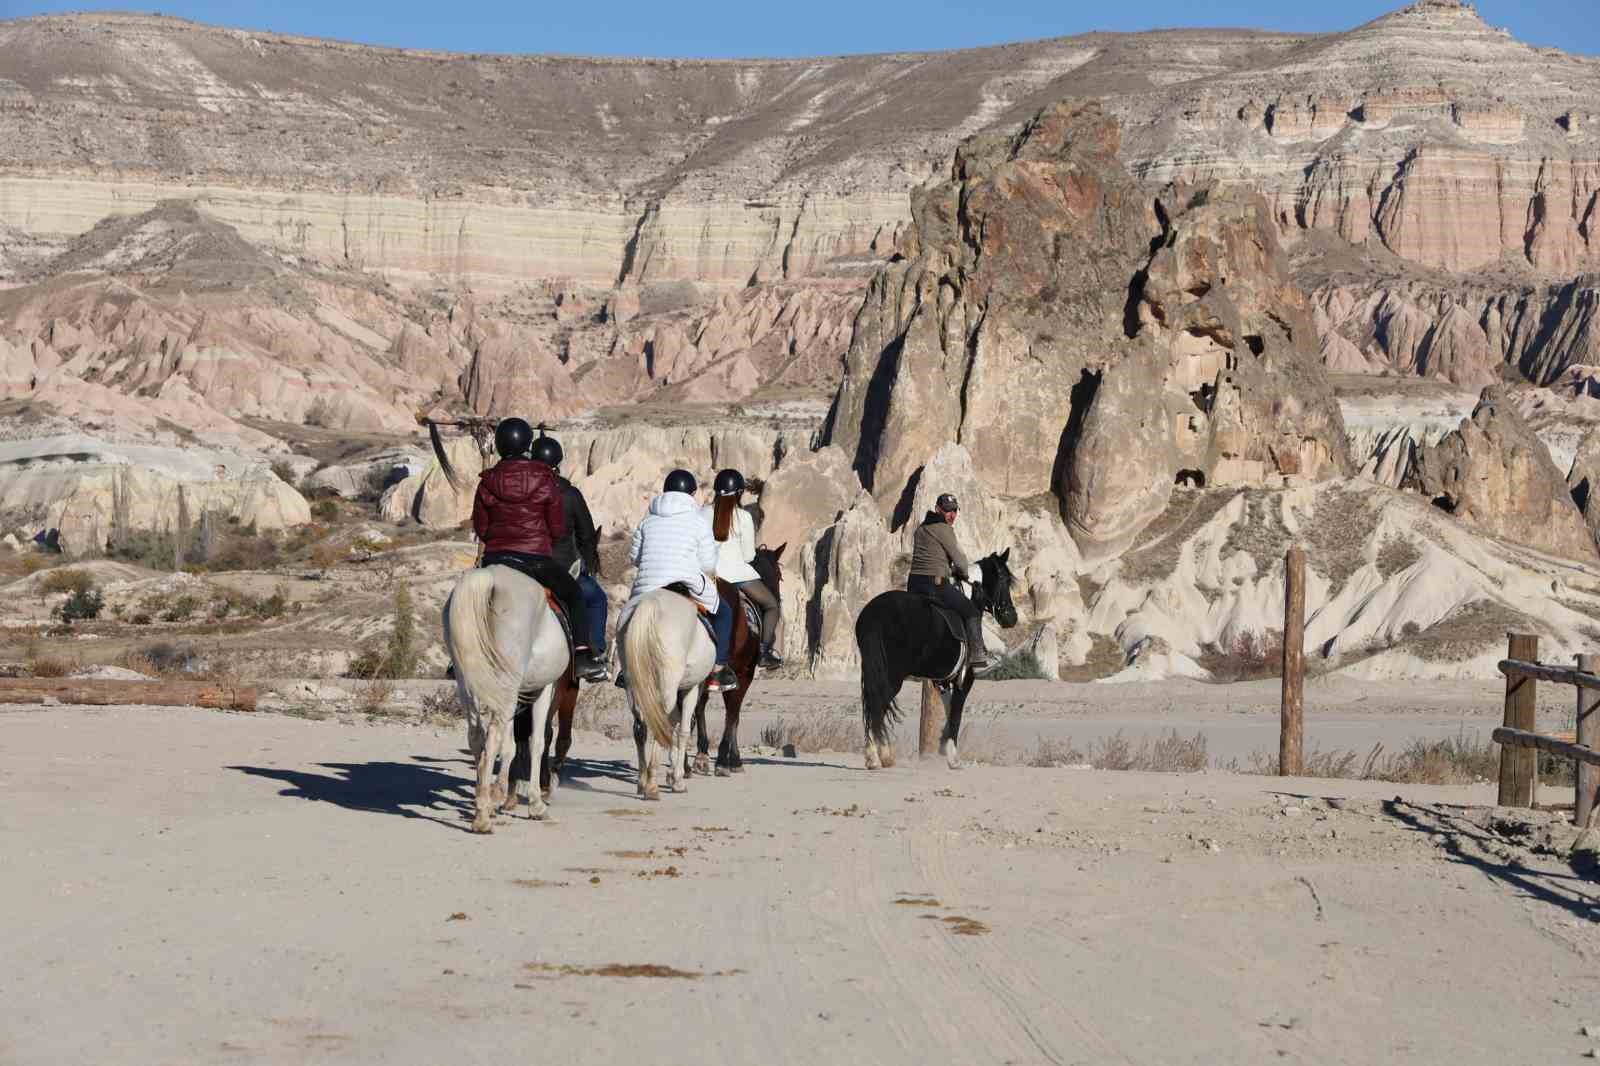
(191, 886)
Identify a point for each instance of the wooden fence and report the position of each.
(1519, 740)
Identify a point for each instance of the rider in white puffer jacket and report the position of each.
(674, 543)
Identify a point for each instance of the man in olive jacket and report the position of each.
(937, 562)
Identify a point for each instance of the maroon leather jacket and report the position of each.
(518, 508)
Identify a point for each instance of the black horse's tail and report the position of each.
(878, 690)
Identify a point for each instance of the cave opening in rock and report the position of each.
(1255, 343)
(1445, 503)
(1082, 399)
(1193, 479)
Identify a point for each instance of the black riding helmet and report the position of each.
(728, 483)
(946, 502)
(681, 481)
(547, 449)
(512, 437)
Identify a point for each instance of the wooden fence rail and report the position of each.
(1519, 740)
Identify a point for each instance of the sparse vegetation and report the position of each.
(83, 605)
(1105, 658)
(1161, 544)
(41, 663)
(1250, 657)
(1337, 533)
(815, 731)
(1022, 666)
(1396, 555)
(67, 581)
(398, 658)
(182, 609)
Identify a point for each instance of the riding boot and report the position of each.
(770, 660)
(588, 667)
(976, 651)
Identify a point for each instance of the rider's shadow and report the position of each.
(398, 788)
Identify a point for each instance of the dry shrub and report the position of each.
(443, 705)
(812, 731)
(43, 665)
(1049, 752)
(1168, 753)
(66, 581)
(372, 698)
(1457, 760)
(1251, 657)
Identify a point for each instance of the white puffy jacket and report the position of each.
(673, 543)
(735, 553)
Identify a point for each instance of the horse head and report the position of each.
(766, 564)
(997, 588)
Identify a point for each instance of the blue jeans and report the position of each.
(722, 624)
(594, 599)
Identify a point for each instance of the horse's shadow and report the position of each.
(577, 773)
(398, 788)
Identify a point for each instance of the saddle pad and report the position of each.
(752, 613)
(682, 588)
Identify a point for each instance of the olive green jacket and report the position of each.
(935, 552)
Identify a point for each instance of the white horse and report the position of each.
(666, 655)
(505, 642)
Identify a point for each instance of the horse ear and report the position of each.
(777, 553)
(1005, 555)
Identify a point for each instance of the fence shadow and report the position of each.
(1470, 844)
(405, 789)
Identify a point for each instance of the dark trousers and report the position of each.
(771, 609)
(553, 576)
(722, 626)
(594, 601)
(947, 594)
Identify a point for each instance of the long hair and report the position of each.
(722, 518)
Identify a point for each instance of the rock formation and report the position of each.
(1496, 474)
(1033, 310)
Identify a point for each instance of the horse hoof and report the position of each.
(544, 794)
(738, 768)
(702, 766)
(482, 825)
(540, 815)
(653, 796)
(723, 771)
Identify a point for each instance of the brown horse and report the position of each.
(746, 651)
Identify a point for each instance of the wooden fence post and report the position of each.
(931, 724)
(1588, 733)
(1291, 723)
(1518, 765)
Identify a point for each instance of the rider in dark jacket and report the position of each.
(580, 542)
(517, 515)
(937, 563)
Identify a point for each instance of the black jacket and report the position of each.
(581, 540)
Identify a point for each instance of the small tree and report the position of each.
(402, 651)
(82, 605)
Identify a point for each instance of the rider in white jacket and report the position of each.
(674, 543)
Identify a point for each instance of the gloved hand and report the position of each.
(975, 574)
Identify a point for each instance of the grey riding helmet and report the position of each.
(946, 503)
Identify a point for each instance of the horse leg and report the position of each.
(537, 809)
(566, 707)
(953, 704)
(681, 724)
(483, 797)
(646, 745)
(702, 759)
(500, 736)
(546, 762)
(728, 761)
(522, 762)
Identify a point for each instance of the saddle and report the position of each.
(958, 630)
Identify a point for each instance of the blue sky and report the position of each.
(750, 28)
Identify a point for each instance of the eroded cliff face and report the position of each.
(1078, 336)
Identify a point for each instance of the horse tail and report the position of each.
(482, 670)
(878, 706)
(644, 656)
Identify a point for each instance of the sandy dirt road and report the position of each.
(189, 886)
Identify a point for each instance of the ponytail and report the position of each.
(722, 517)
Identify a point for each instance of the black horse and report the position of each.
(903, 635)
(746, 651)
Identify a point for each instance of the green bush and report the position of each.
(182, 609)
(325, 510)
(1023, 666)
(140, 619)
(82, 605)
